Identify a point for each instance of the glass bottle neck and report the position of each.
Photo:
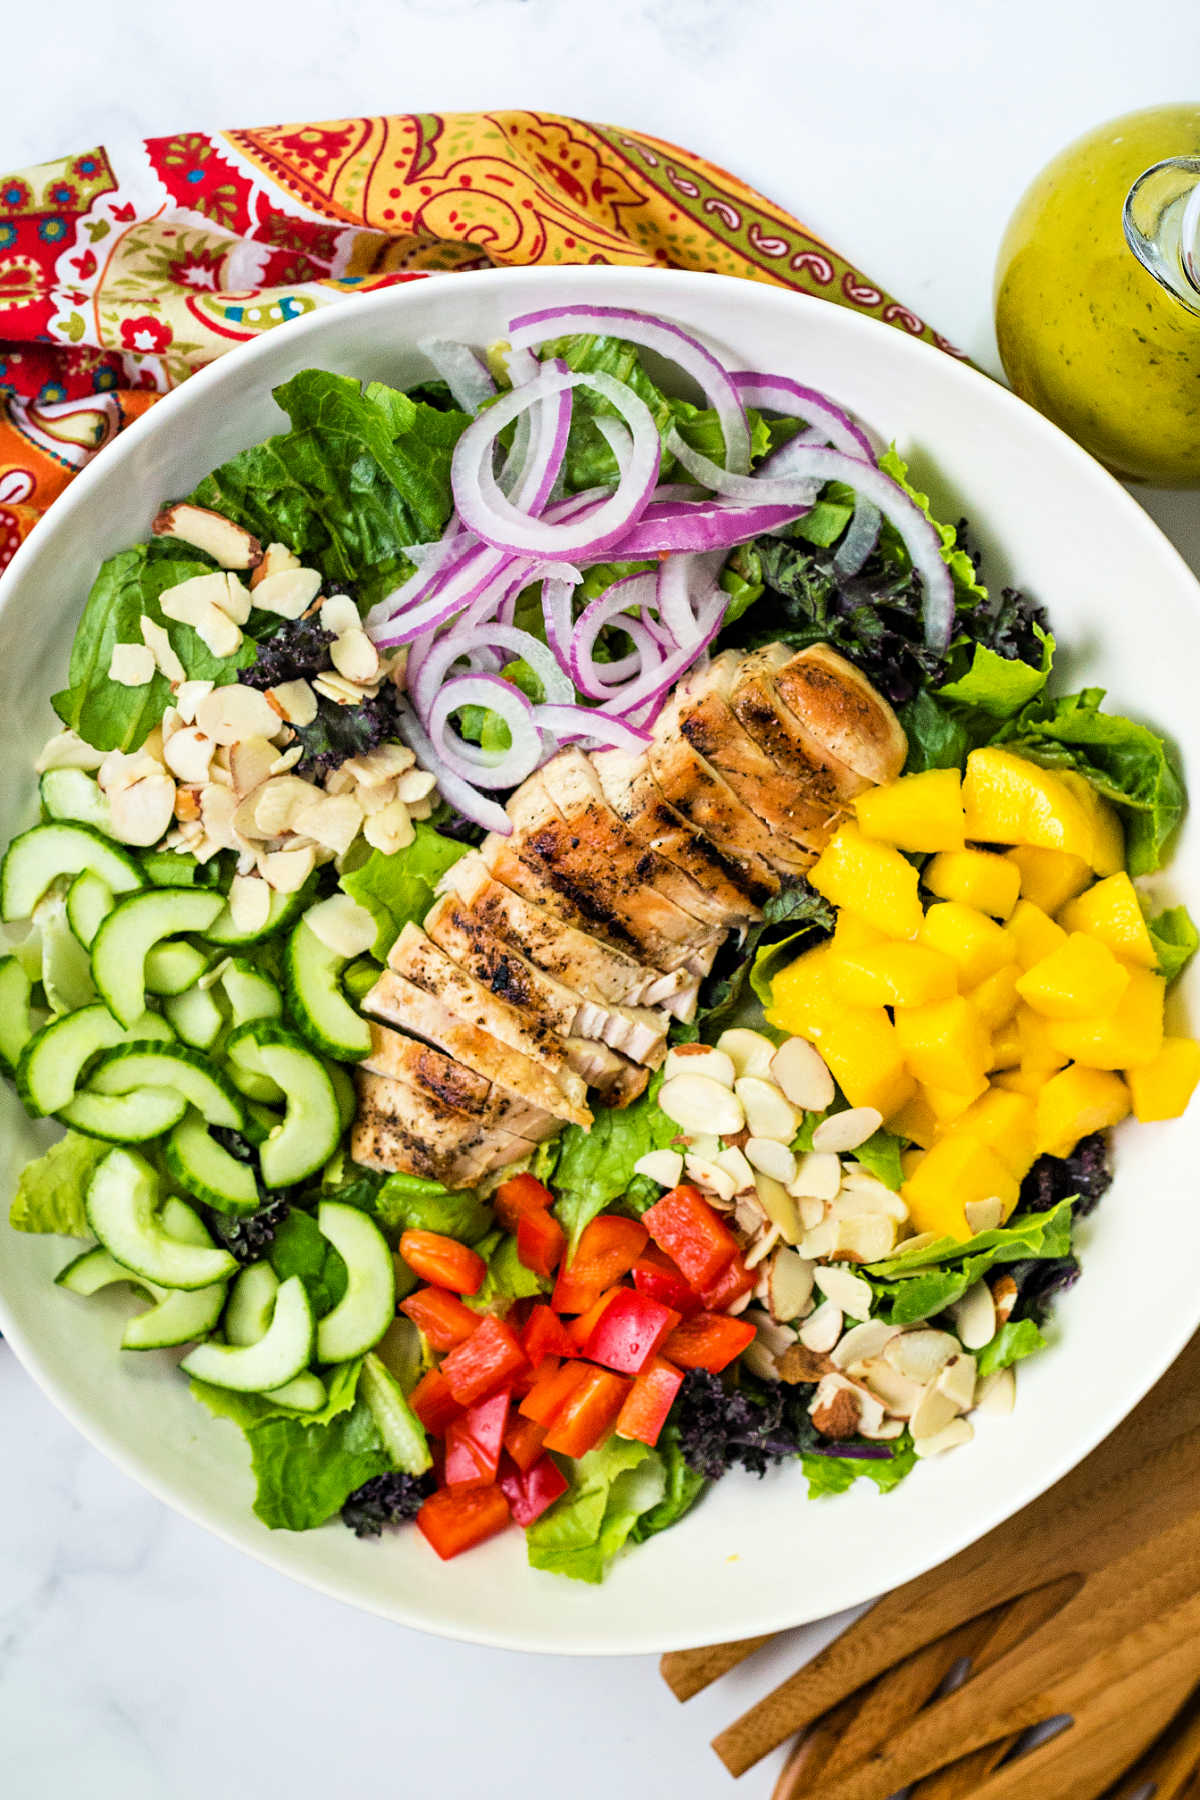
(1162, 226)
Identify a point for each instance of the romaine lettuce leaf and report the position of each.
(400, 887)
(595, 1167)
(880, 1155)
(828, 1475)
(914, 1287)
(1000, 686)
(611, 1489)
(52, 1189)
(1175, 938)
(507, 1278)
(409, 1203)
(1013, 1342)
(684, 1486)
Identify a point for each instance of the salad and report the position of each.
(578, 949)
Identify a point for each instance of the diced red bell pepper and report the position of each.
(474, 1441)
(684, 1225)
(433, 1402)
(707, 1341)
(441, 1318)
(489, 1360)
(523, 1440)
(650, 1400)
(456, 1519)
(529, 1492)
(541, 1241)
(545, 1335)
(551, 1390)
(629, 1332)
(443, 1261)
(734, 1280)
(580, 1330)
(656, 1275)
(608, 1249)
(519, 1195)
(589, 1413)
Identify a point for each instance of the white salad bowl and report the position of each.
(752, 1556)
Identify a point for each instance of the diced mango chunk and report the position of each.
(1006, 1123)
(978, 878)
(870, 879)
(1040, 1054)
(918, 812)
(1111, 912)
(803, 997)
(949, 1104)
(1107, 853)
(1020, 1081)
(916, 1121)
(852, 934)
(1161, 1089)
(995, 1000)
(1049, 877)
(864, 1056)
(1079, 980)
(972, 941)
(956, 1171)
(893, 974)
(1126, 1037)
(1006, 1044)
(1034, 933)
(1009, 800)
(946, 1044)
(1075, 1103)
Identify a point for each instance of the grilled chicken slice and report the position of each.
(844, 712)
(794, 749)
(615, 1079)
(440, 1079)
(638, 1032)
(401, 1002)
(634, 795)
(400, 1127)
(708, 803)
(577, 959)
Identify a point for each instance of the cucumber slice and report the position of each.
(89, 902)
(178, 1317)
(16, 1025)
(251, 1304)
(312, 1126)
(343, 1092)
(251, 995)
(398, 1425)
(125, 1118)
(368, 1306)
(121, 1208)
(126, 938)
(245, 1066)
(283, 909)
(316, 1001)
(360, 977)
(174, 967)
(174, 1067)
(66, 971)
(275, 1359)
(304, 1393)
(260, 1123)
(195, 1016)
(41, 855)
(96, 1269)
(207, 1170)
(74, 794)
(53, 1061)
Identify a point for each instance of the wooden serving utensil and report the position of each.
(1061, 1610)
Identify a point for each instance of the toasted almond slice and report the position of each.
(333, 822)
(898, 1394)
(921, 1354)
(335, 687)
(132, 665)
(789, 1284)
(847, 1130)
(67, 750)
(975, 1316)
(235, 712)
(801, 1072)
(732, 1160)
(749, 1051)
(339, 782)
(699, 1059)
(217, 807)
(342, 925)
(812, 1211)
(861, 1193)
(196, 602)
(375, 798)
(663, 1166)
(818, 1240)
(709, 1176)
(251, 760)
(950, 1437)
(142, 812)
(159, 645)
(997, 1392)
(287, 870)
(188, 754)
(865, 1239)
(778, 1205)
(288, 593)
(339, 614)
(287, 760)
(390, 829)
(416, 786)
(228, 544)
(275, 802)
(932, 1413)
(189, 696)
(170, 724)
(235, 601)
(772, 1158)
(700, 1103)
(984, 1215)
(1004, 1297)
(119, 770)
(822, 1329)
(769, 1114)
(382, 764)
(847, 1291)
(276, 558)
(861, 1343)
(295, 700)
(187, 805)
(956, 1379)
(249, 902)
(355, 656)
(818, 1176)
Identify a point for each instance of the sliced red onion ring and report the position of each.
(459, 643)
(539, 446)
(458, 793)
(432, 560)
(776, 393)
(861, 537)
(647, 691)
(668, 340)
(597, 680)
(464, 373)
(499, 523)
(747, 489)
(469, 761)
(699, 526)
(454, 589)
(597, 730)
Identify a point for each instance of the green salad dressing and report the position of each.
(1098, 300)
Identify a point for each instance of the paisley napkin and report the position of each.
(122, 272)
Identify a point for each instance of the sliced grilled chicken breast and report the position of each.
(844, 712)
(705, 799)
(795, 750)
(399, 1127)
(440, 1078)
(615, 1079)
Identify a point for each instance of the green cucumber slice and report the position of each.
(251, 1304)
(251, 995)
(16, 1024)
(76, 795)
(304, 1393)
(398, 1425)
(95, 1269)
(196, 1016)
(207, 1170)
(368, 1306)
(121, 1205)
(360, 977)
(312, 1125)
(343, 1091)
(174, 966)
(260, 1123)
(276, 1358)
(171, 1066)
(316, 1001)
(89, 902)
(245, 1066)
(125, 1118)
(66, 971)
(283, 909)
(179, 1317)
(52, 1063)
(126, 938)
(46, 852)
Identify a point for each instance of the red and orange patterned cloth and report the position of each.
(122, 273)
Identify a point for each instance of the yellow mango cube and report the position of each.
(1006, 1045)
(1161, 1089)
(973, 942)
(864, 1057)
(803, 998)
(1006, 1123)
(1079, 980)
(918, 812)
(1020, 1081)
(916, 1121)
(1107, 853)
(1125, 1037)
(893, 974)
(957, 1170)
(1111, 912)
(869, 879)
(1033, 933)
(946, 1044)
(1049, 877)
(850, 933)
(1040, 1054)
(1075, 1103)
(1009, 800)
(949, 1104)
(978, 878)
(996, 1000)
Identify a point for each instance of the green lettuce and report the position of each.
(409, 1203)
(1000, 686)
(507, 1278)
(829, 1475)
(960, 565)
(880, 1155)
(611, 1490)
(52, 1189)
(937, 737)
(791, 921)
(301, 1248)
(399, 888)
(1013, 1342)
(914, 1286)
(683, 1487)
(595, 1167)
(107, 714)
(1175, 938)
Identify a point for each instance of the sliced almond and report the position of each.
(159, 646)
(170, 724)
(734, 1162)
(249, 902)
(802, 1074)
(355, 656)
(836, 1407)
(778, 1205)
(276, 558)
(997, 1392)
(197, 602)
(847, 1291)
(789, 1284)
(975, 1316)
(188, 753)
(699, 1103)
(416, 786)
(288, 870)
(818, 1175)
(865, 1239)
(663, 1166)
(921, 1354)
(984, 1215)
(333, 822)
(861, 1343)
(956, 1379)
(275, 803)
(380, 765)
(710, 1176)
(812, 1211)
(749, 1051)
(132, 665)
(119, 770)
(251, 760)
(288, 760)
(896, 1392)
(339, 614)
(748, 1214)
(699, 1059)
(288, 593)
(1004, 1297)
(822, 1329)
(342, 925)
(950, 1437)
(335, 687)
(189, 696)
(142, 812)
(217, 807)
(295, 702)
(818, 1240)
(234, 712)
(777, 1338)
(762, 1246)
(771, 1158)
(67, 750)
(390, 829)
(847, 1130)
(864, 1193)
(769, 1114)
(932, 1413)
(187, 805)
(228, 544)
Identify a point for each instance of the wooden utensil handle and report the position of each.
(689, 1672)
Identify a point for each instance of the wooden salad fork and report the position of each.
(1087, 1603)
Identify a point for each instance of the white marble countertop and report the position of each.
(141, 1659)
